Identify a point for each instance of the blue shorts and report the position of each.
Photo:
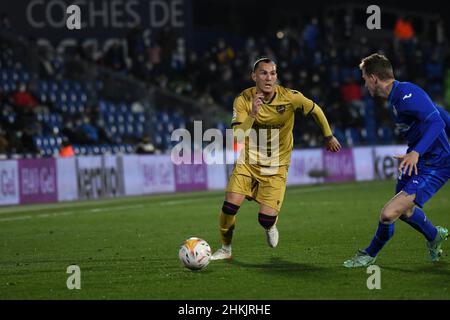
(424, 185)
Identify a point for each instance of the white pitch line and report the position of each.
(175, 202)
(323, 188)
(65, 213)
(15, 218)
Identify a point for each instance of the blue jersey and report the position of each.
(421, 122)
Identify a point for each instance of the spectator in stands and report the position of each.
(5, 22)
(225, 53)
(23, 97)
(4, 144)
(348, 24)
(404, 38)
(115, 57)
(26, 136)
(404, 29)
(311, 34)
(145, 146)
(88, 131)
(66, 149)
(440, 34)
(73, 130)
(137, 47)
(350, 91)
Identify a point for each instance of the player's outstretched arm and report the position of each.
(331, 143)
(446, 118)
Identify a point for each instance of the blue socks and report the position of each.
(419, 221)
(382, 236)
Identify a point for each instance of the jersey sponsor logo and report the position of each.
(407, 96)
(281, 109)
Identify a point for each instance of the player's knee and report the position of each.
(266, 221)
(389, 214)
(230, 208)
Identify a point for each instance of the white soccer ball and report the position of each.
(195, 253)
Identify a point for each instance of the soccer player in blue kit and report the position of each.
(425, 167)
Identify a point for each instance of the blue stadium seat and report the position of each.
(385, 135)
(129, 148)
(76, 86)
(115, 149)
(121, 129)
(129, 118)
(352, 136)
(66, 85)
(122, 107)
(24, 76)
(129, 129)
(53, 86)
(3, 75)
(72, 96)
(52, 97)
(102, 106)
(340, 136)
(140, 118)
(138, 130)
(59, 141)
(6, 87)
(222, 127)
(37, 142)
(43, 97)
(43, 86)
(45, 142)
(119, 118)
(61, 96)
(170, 127)
(11, 118)
(104, 148)
(158, 139)
(51, 141)
(76, 149)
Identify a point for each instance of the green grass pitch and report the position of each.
(128, 248)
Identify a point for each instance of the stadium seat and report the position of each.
(129, 149)
(76, 149)
(385, 135)
(352, 136)
(340, 136)
(37, 142)
(115, 149)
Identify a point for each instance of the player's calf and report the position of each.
(228, 221)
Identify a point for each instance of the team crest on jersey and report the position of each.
(281, 109)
